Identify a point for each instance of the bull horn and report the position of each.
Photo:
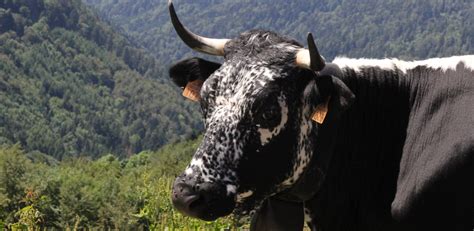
(210, 46)
(310, 58)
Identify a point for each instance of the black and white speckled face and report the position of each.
(256, 110)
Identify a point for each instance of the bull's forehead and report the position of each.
(241, 80)
(259, 44)
(252, 61)
(238, 82)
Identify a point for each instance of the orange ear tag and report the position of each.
(192, 89)
(321, 111)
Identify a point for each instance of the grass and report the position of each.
(167, 218)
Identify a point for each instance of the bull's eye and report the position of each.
(269, 115)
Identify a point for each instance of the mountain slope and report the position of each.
(356, 28)
(70, 85)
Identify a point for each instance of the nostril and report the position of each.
(190, 201)
(183, 189)
(196, 202)
(184, 197)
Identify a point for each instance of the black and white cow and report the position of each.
(393, 148)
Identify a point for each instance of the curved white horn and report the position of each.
(210, 46)
(310, 58)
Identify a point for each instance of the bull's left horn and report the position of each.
(210, 46)
(310, 58)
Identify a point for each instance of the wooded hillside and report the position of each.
(355, 28)
(71, 86)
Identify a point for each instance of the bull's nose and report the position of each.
(183, 197)
(208, 203)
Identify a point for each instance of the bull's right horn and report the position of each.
(310, 58)
(210, 46)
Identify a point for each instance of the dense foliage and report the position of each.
(105, 194)
(356, 28)
(70, 85)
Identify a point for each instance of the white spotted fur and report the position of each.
(304, 153)
(447, 63)
(231, 102)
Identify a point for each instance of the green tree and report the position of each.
(13, 167)
(66, 90)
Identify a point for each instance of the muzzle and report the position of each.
(207, 201)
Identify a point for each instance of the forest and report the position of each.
(92, 132)
(71, 86)
(354, 28)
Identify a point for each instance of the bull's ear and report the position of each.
(334, 95)
(190, 74)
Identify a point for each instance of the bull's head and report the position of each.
(257, 107)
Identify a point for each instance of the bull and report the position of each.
(356, 144)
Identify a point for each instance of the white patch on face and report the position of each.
(220, 100)
(197, 163)
(231, 189)
(447, 63)
(188, 171)
(242, 196)
(304, 152)
(265, 134)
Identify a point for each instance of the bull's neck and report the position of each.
(372, 130)
(368, 144)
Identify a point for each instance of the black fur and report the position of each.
(191, 69)
(417, 122)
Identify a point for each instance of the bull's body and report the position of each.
(404, 152)
(392, 148)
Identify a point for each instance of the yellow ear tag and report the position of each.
(192, 89)
(321, 111)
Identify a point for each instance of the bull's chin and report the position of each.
(224, 208)
(211, 211)
(211, 216)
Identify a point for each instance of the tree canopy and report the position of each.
(71, 86)
(355, 28)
